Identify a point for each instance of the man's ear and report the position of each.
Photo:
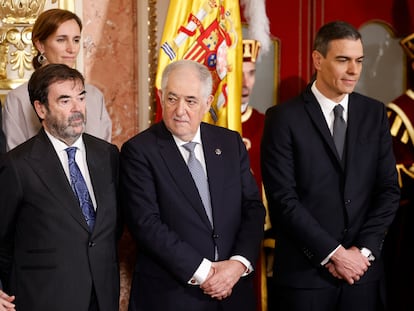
(40, 109)
(209, 102)
(159, 93)
(317, 59)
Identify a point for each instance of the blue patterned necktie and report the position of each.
(80, 189)
(200, 179)
(339, 129)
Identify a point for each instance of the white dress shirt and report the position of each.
(80, 159)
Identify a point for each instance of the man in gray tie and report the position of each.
(191, 204)
(330, 180)
(59, 213)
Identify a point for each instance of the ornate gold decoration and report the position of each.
(152, 52)
(16, 48)
(250, 50)
(407, 44)
(20, 11)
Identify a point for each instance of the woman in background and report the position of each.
(56, 36)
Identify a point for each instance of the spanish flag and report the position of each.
(209, 32)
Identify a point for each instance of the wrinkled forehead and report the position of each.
(70, 87)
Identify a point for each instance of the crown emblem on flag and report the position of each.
(250, 50)
(408, 45)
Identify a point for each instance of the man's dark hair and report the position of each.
(46, 75)
(334, 31)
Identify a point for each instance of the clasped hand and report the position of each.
(222, 277)
(348, 264)
(6, 302)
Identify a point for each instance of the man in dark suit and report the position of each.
(331, 197)
(196, 245)
(55, 255)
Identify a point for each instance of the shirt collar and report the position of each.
(326, 104)
(61, 146)
(196, 138)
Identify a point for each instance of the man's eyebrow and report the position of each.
(348, 57)
(67, 96)
(63, 97)
(190, 97)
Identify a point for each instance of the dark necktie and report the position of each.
(339, 129)
(80, 189)
(200, 179)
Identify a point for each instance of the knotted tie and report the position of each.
(339, 129)
(80, 189)
(200, 179)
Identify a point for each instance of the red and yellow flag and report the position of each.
(209, 32)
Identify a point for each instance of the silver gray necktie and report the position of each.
(339, 129)
(200, 179)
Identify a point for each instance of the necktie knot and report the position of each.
(338, 110)
(71, 151)
(190, 146)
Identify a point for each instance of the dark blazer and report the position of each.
(315, 200)
(2, 137)
(166, 217)
(53, 260)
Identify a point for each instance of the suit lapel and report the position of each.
(318, 119)
(179, 171)
(354, 114)
(96, 167)
(45, 162)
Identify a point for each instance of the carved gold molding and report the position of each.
(152, 52)
(16, 49)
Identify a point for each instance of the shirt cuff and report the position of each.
(367, 253)
(327, 258)
(201, 273)
(245, 262)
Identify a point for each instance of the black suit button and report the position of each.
(347, 202)
(215, 236)
(92, 244)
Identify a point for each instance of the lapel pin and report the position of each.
(217, 151)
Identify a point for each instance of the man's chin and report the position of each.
(77, 125)
(76, 130)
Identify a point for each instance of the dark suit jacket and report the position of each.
(2, 137)
(317, 202)
(167, 218)
(54, 261)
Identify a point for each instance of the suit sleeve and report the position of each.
(386, 194)
(251, 230)
(98, 123)
(9, 198)
(2, 138)
(106, 122)
(14, 120)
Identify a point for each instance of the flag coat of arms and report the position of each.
(209, 32)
